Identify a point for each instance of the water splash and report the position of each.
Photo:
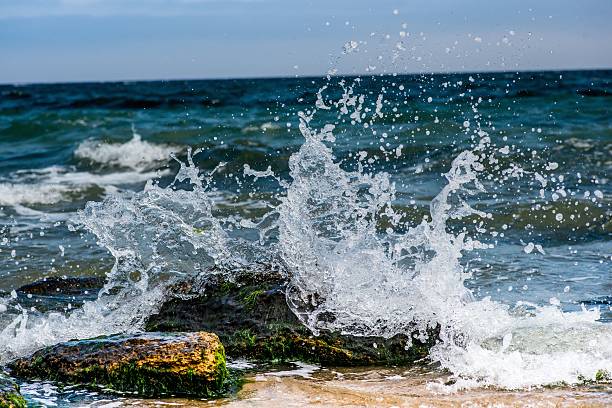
(157, 237)
(348, 275)
(353, 264)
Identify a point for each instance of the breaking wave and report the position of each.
(344, 273)
(14, 194)
(57, 184)
(134, 154)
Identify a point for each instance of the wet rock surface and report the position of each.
(10, 396)
(59, 293)
(149, 364)
(251, 316)
(58, 286)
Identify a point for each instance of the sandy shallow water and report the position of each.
(381, 387)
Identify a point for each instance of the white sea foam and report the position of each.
(84, 178)
(13, 194)
(263, 127)
(135, 154)
(55, 184)
(517, 351)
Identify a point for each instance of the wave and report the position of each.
(133, 103)
(12, 194)
(594, 92)
(56, 184)
(135, 154)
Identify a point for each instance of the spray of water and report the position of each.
(345, 273)
(157, 237)
(352, 264)
(348, 275)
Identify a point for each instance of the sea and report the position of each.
(477, 202)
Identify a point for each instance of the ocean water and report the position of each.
(479, 202)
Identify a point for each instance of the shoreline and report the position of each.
(384, 387)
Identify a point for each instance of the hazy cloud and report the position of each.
(81, 40)
(47, 8)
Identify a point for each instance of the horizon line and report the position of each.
(307, 76)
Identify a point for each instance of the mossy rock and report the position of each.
(10, 396)
(149, 364)
(251, 316)
(601, 377)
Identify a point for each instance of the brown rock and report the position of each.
(149, 364)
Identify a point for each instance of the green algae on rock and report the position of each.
(601, 377)
(10, 396)
(149, 364)
(250, 314)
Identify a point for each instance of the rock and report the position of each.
(72, 285)
(150, 364)
(251, 316)
(9, 393)
(59, 293)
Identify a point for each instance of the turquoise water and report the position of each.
(547, 198)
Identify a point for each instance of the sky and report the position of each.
(109, 40)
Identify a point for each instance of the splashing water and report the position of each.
(341, 266)
(157, 237)
(346, 275)
(346, 271)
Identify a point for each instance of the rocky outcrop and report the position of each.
(249, 312)
(9, 393)
(150, 364)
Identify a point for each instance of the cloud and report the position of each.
(48, 8)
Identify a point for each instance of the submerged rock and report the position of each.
(59, 293)
(9, 393)
(70, 285)
(251, 317)
(150, 364)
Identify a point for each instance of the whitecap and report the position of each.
(55, 184)
(13, 194)
(263, 127)
(135, 154)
